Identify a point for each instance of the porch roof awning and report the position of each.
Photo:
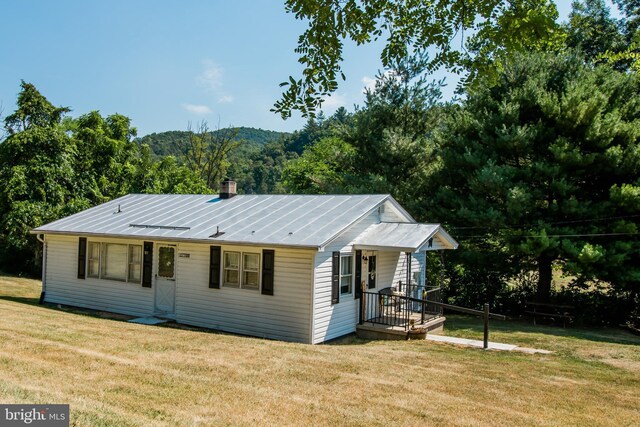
(405, 237)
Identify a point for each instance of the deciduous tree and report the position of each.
(465, 35)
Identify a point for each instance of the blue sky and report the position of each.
(166, 63)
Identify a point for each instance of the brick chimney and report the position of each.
(227, 189)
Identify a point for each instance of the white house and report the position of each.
(286, 267)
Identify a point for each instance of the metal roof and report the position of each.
(287, 220)
(402, 236)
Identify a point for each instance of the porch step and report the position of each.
(372, 331)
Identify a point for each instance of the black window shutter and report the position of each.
(268, 261)
(215, 254)
(147, 264)
(358, 291)
(82, 257)
(335, 278)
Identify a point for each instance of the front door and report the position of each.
(166, 280)
(371, 281)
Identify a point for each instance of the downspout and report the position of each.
(44, 267)
(312, 319)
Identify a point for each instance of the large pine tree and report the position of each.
(544, 166)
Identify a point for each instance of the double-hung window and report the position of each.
(94, 259)
(135, 263)
(232, 269)
(241, 270)
(346, 274)
(115, 261)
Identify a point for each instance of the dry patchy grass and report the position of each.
(117, 373)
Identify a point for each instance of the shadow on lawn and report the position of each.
(595, 333)
(21, 300)
(351, 339)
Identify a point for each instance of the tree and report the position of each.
(542, 167)
(325, 168)
(104, 155)
(593, 31)
(208, 152)
(53, 166)
(391, 132)
(497, 27)
(630, 25)
(36, 169)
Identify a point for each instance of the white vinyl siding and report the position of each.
(390, 214)
(331, 321)
(285, 315)
(436, 244)
(64, 287)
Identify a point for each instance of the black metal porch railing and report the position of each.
(399, 306)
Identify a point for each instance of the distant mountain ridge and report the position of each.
(174, 143)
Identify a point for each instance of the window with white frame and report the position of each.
(135, 263)
(346, 274)
(241, 270)
(94, 260)
(232, 269)
(115, 261)
(250, 270)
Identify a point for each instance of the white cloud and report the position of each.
(369, 83)
(225, 99)
(211, 76)
(333, 102)
(197, 109)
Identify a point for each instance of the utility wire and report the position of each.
(484, 236)
(548, 223)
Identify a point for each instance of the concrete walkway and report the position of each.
(480, 344)
(148, 320)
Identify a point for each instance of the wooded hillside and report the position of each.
(175, 143)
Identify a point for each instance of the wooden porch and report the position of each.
(378, 330)
(400, 312)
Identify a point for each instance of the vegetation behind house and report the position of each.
(534, 170)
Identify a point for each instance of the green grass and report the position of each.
(116, 373)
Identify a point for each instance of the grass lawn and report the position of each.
(116, 373)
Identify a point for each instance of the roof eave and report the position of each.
(174, 239)
(388, 197)
(384, 248)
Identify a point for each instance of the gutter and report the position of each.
(44, 267)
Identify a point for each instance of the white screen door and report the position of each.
(166, 280)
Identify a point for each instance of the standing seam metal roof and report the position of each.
(289, 220)
(402, 236)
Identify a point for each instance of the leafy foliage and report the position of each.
(175, 143)
(54, 166)
(534, 168)
(497, 27)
